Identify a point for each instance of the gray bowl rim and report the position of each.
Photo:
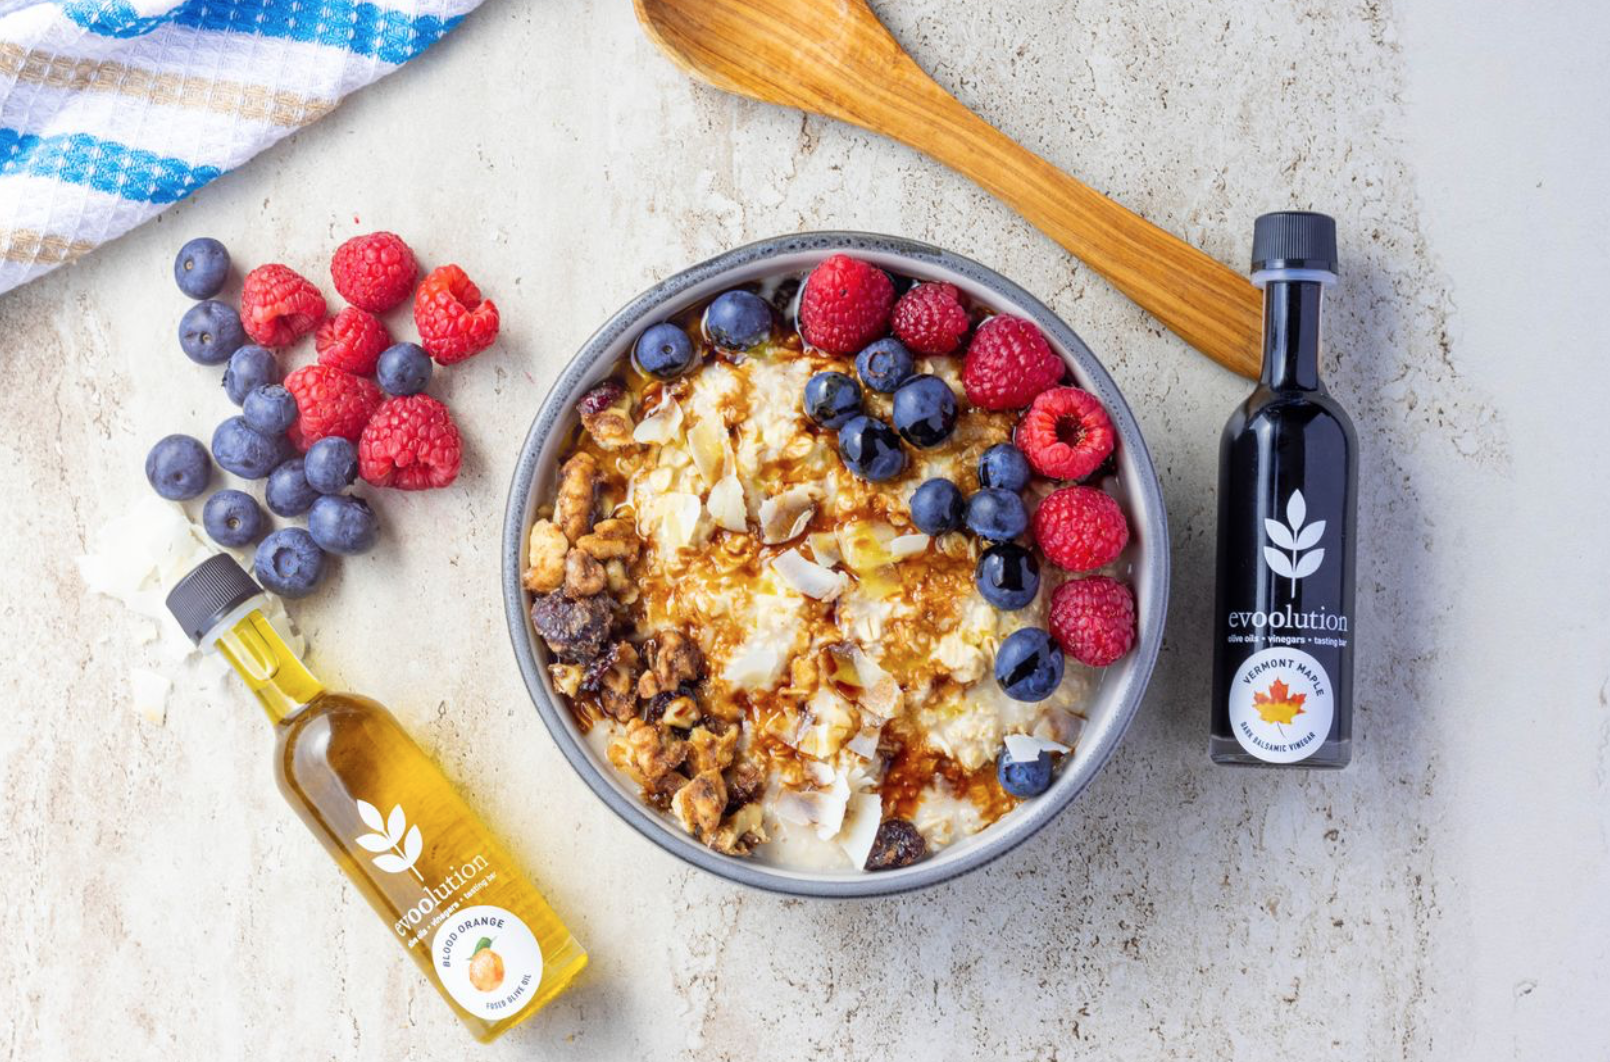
(1148, 519)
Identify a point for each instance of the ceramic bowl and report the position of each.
(1121, 686)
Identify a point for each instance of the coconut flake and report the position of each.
(679, 515)
(707, 443)
(908, 546)
(830, 721)
(786, 516)
(812, 580)
(1026, 748)
(150, 694)
(864, 814)
(726, 504)
(662, 426)
(825, 548)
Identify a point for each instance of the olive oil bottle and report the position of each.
(423, 859)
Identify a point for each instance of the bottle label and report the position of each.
(1281, 704)
(489, 961)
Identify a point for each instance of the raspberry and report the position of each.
(352, 341)
(374, 272)
(278, 306)
(454, 321)
(1065, 434)
(1008, 363)
(930, 318)
(1093, 619)
(329, 402)
(845, 304)
(1080, 528)
(410, 444)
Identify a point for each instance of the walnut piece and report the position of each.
(584, 576)
(579, 480)
(673, 659)
(613, 677)
(745, 784)
(681, 711)
(646, 752)
(606, 413)
(708, 752)
(741, 833)
(566, 678)
(611, 540)
(699, 804)
(545, 557)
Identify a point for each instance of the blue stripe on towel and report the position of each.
(360, 27)
(104, 165)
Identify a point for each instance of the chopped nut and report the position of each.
(584, 576)
(664, 788)
(574, 630)
(681, 712)
(741, 834)
(745, 783)
(566, 678)
(613, 676)
(611, 540)
(606, 413)
(579, 480)
(698, 805)
(675, 658)
(708, 752)
(618, 581)
(545, 555)
(646, 752)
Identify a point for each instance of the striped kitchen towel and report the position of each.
(112, 109)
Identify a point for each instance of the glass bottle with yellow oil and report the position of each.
(456, 900)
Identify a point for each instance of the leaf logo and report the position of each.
(1291, 539)
(398, 843)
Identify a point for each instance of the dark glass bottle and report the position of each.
(1288, 486)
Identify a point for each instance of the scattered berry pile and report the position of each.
(311, 434)
(1063, 447)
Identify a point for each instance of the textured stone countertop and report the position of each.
(1445, 898)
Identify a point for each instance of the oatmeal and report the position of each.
(759, 619)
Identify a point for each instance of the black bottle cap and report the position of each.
(1294, 239)
(210, 592)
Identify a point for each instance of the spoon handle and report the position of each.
(1203, 301)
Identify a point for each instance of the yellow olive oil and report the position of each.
(423, 859)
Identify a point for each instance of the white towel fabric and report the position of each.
(112, 109)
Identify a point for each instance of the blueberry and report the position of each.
(288, 493)
(885, 365)
(664, 352)
(738, 320)
(269, 409)
(232, 518)
(1004, 467)
(832, 398)
(1024, 779)
(331, 464)
(1008, 576)
(403, 369)
(288, 562)
(1028, 665)
(996, 515)
(871, 449)
(924, 411)
(201, 267)
(178, 467)
(250, 367)
(937, 506)
(342, 523)
(247, 453)
(209, 332)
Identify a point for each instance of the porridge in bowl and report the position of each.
(829, 571)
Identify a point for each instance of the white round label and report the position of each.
(489, 961)
(1281, 705)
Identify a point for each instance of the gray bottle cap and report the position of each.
(213, 589)
(1294, 239)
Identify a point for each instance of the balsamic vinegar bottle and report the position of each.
(1283, 637)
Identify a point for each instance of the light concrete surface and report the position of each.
(1445, 898)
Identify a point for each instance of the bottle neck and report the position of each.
(282, 683)
(1291, 311)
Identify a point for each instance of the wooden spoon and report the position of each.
(835, 58)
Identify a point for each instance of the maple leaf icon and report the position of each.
(1278, 704)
